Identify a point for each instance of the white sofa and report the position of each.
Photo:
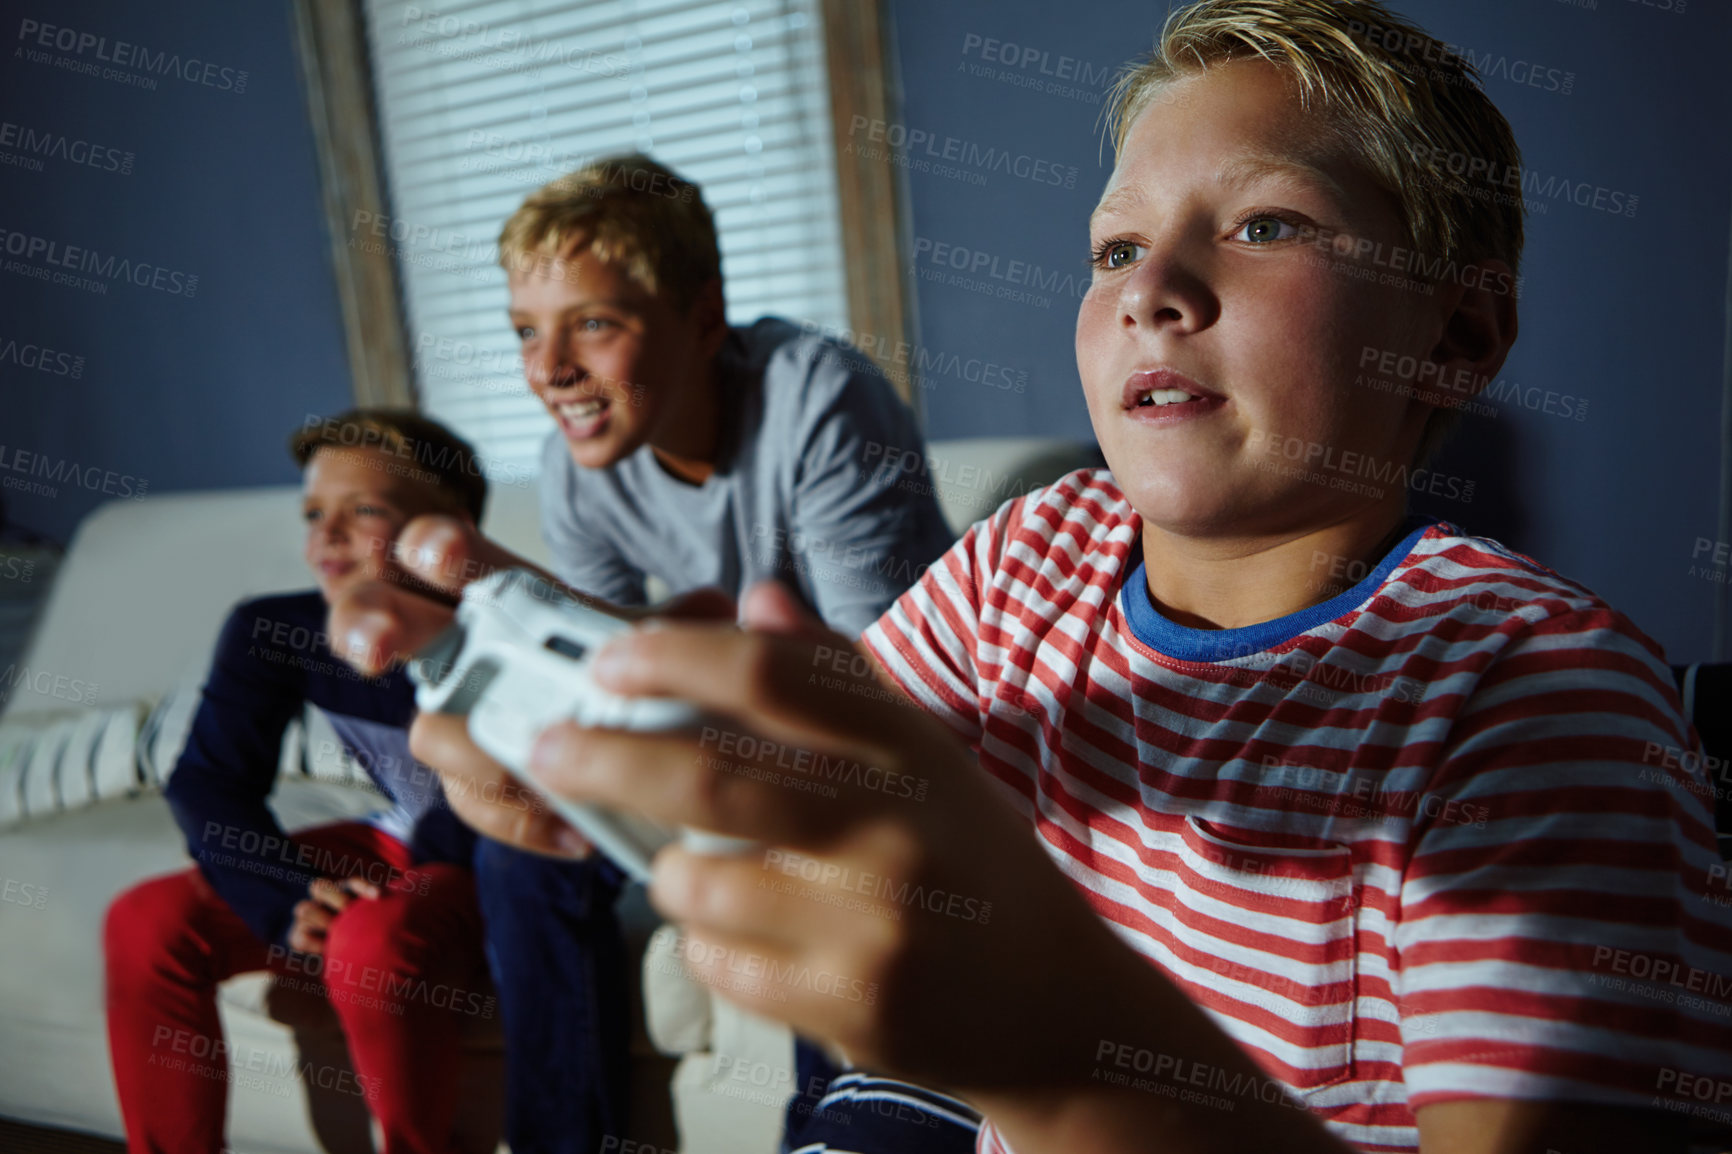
(95, 719)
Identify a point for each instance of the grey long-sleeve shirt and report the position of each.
(821, 482)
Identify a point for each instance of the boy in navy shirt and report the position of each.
(382, 910)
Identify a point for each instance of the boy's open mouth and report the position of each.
(1163, 395)
(581, 419)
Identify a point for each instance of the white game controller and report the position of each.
(515, 662)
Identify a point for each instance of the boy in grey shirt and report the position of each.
(699, 454)
(799, 491)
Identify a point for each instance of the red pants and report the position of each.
(400, 971)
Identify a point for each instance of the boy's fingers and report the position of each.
(751, 896)
(374, 625)
(360, 887)
(709, 783)
(707, 604)
(449, 553)
(328, 894)
(485, 795)
(802, 691)
(312, 917)
(772, 607)
(745, 971)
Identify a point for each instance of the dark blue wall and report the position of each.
(1626, 312)
(179, 392)
(176, 390)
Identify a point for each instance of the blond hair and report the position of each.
(627, 211)
(1409, 106)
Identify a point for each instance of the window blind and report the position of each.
(481, 102)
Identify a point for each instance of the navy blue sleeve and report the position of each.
(217, 792)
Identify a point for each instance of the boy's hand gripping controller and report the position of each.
(515, 662)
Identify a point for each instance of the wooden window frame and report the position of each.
(337, 72)
(337, 75)
(869, 191)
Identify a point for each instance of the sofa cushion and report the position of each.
(50, 763)
(70, 866)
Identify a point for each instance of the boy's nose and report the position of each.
(1164, 291)
(552, 369)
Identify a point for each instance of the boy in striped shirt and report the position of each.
(1391, 867)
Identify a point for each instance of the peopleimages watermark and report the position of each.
(16, 568)
(754, 974)
(1036, 69)
(1664, 980)
(990, 274)
(301, 859)
(22, 893)
(1716, 566)
(849, 884)
(422, 245)
(922, 150)
(1349, 471)
(89, 54)
(1340, 573)
(22, 146)
(1399, 266)
(923, 474)
(62, 263)
(770, 1085)
(294, 646)
(1437, 59)
(409, 774)
(501, 153)
(1460, 389)
(461, 254)
(1184, 1079)
(916, 365)
(500, 48)
(47, 683)
(499, 367)
(21, 468)
(848, 562)
(1685, 1093)
(215, 1058)
(495, 366)
(1677, 769)
(1675, 7)
(340, 979)
(776, 763)
(40, 358)
(1485, 179)
(1364, 796)
(423, 454)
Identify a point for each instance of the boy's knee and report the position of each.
(511, 880)
(143, 925)
(370, 937)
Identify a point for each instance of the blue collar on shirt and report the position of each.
(1187, 644)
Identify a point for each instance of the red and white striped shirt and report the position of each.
(1443, 836)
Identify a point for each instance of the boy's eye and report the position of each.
(372, 511)
(1265, 229)
(309, 515)
(594, 324)
(524, 332)
(1116, 254)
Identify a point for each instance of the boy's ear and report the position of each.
(1477, 333)
(709, 316)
